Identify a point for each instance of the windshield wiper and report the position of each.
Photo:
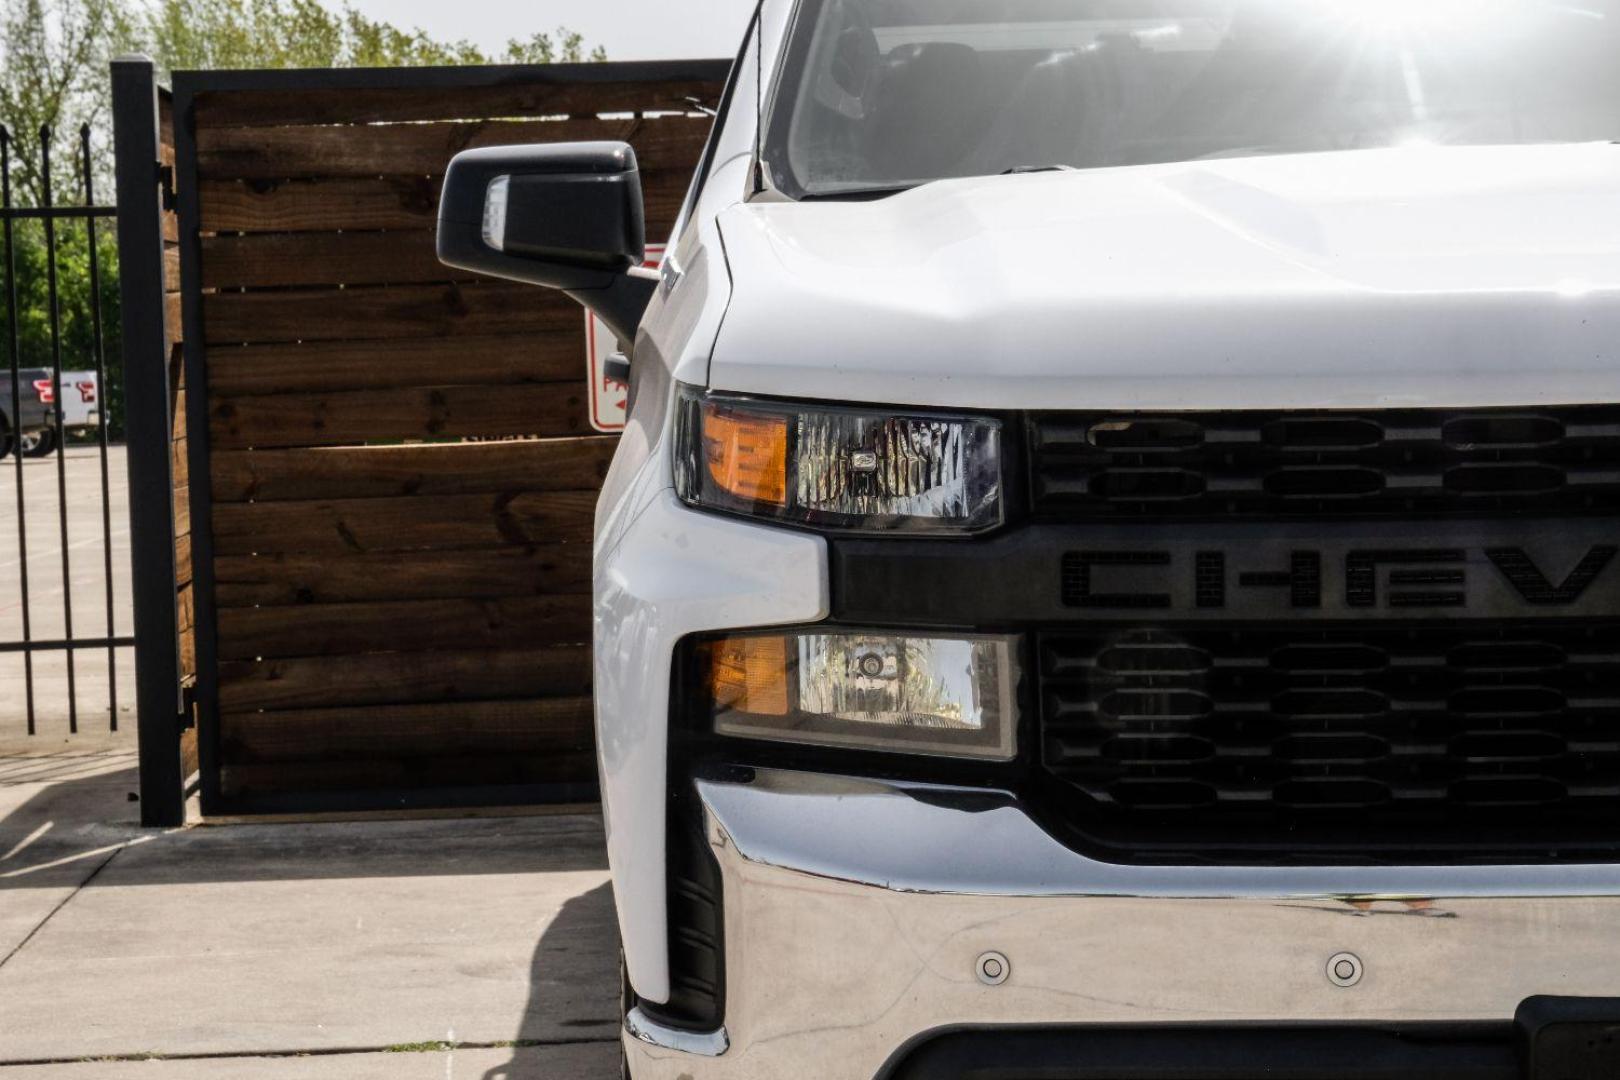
(869, 194)
(858, 194)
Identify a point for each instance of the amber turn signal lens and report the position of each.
(750, 675)
(746, 454)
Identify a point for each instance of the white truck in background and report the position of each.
(81, 409)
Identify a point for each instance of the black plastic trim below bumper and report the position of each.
(1453, 1052)
(1550, 1038)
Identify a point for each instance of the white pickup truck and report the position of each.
(1114, 565)
(81, 409)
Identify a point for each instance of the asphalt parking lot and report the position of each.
(49, 598)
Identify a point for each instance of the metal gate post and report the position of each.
(149, 427)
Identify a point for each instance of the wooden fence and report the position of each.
(387, 614)
(177, 409)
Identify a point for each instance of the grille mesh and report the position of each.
(1281, 464)
(1250, 731)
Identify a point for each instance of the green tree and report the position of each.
(562, 47)
(53, 75)
(192, 34)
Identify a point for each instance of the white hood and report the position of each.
(1425, 276)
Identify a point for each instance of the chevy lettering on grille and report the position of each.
(1302, 571)
(1369, 578)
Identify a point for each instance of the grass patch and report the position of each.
(433, 1047)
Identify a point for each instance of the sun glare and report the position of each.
(1394, 16)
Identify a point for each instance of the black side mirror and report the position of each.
(564, 215)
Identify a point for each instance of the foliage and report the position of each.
(189, 34)
(563, 47)
(53, 74)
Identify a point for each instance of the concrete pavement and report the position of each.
(468, 948)
(48, 599)
(549, 1062)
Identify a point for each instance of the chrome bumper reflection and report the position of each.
(644, 1029)
(858, 914)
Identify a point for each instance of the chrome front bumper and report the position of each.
(857, 913)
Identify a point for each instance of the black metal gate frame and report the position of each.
(148, 429)
(50, 215)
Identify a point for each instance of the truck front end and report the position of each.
(1129, 585)
(1114, 566)
(1131, 786)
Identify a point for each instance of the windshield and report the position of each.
(884, 94)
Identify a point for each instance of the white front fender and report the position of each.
(674, 572)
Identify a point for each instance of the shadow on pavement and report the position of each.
(62, 815)
(56, 826)
(451, 910)
(584, 925)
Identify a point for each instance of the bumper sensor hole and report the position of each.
(1344, 969)
(992, 968)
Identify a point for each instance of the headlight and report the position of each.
(950, 696)
(839, 468)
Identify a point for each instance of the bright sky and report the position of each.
(628, 29)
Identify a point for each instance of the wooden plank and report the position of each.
(552, 356)
(172, 320)
(405, 678)
(186, 619)
(171, 268)
(244, 580)
(189, 756)
(373, 202)
(561, 726)
(535, 95)
(177, 368)
(165, 118)
(433, 771)
(379, 202)
(402, 311)
(180, 463)
(445, 522)
(426, 149)
(357, 258)
(403, 626)
(357, 416)
(366, 472)
(182, 559)
(182, 509)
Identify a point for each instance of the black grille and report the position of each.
(1088, 466)
(1482, 733)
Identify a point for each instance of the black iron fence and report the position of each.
(59, 278)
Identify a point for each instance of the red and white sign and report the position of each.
(608, 396)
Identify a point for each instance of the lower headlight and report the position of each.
(918, 694)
